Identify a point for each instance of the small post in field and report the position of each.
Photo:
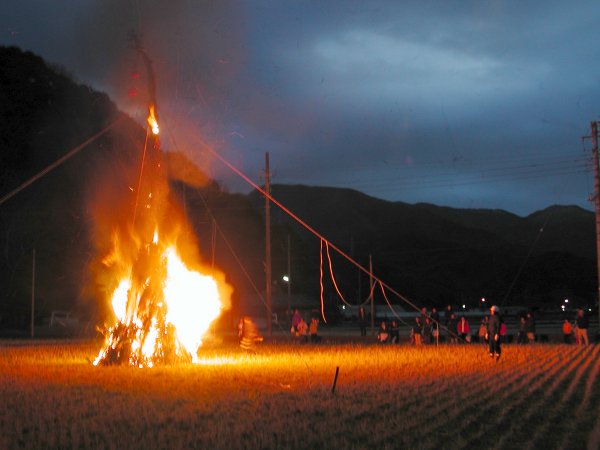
(337, 371)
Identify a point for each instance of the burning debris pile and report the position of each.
(163, 309)
(162, 304)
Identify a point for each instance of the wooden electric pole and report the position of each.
(33, 296)
(289, 275)
(372, 295)
(268, 246)
(597, 203)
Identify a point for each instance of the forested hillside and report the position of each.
(433, 255)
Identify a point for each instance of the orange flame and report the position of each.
(193, 302)
(152, 120)
(162, 302)
(190, 301)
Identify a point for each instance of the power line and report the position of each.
(453, 162)
(307, 226)
(383, 184)
(59, 161)
(473, 180)
(388, 177)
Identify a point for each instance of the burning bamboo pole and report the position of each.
(145, 333)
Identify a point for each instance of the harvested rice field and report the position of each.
(287, 396)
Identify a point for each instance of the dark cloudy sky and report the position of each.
(470, 103)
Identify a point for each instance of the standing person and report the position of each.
(427, 337)
(482, 329)
(416, 331)
(582, 322)
(522, 334)
(449, 329)
(240, 328)
(452, 328)
(383, 334)
(435, 315)
(435, 324)
(567, 330)
(362, 321)
(313, 329)
(296, 318)
(463, 329)
(530, 327)
(302, 330)
(449, 311)
(250, 335)
(394, 332)
(493, 332)
(424, 315)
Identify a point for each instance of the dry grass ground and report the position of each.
(538, 396)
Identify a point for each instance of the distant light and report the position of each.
(483, 299)
(464, 306)
(590, 309)
(285, 278)
(566, 300)
(343, 306)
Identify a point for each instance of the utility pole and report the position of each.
(358, 273)
(33, 295)
(289, 275)
(597, 202)
(372, 295)
(268, 246)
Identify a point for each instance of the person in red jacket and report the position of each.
(567, 329)
(463, 329)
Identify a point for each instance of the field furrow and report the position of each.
(533, 405)
(503, 396)
(552, 431)
(470, 402)
(581, 410)
(594, 437)
(441, 411)
(451, 397)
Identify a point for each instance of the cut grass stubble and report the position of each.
(280, 397)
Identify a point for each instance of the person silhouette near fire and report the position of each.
(249, 335)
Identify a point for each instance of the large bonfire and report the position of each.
(163, 300)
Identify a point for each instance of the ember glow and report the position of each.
(152, 120)
(183, 289)
(189, 303)
(163, 299)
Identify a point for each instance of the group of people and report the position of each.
(526, 333)
(578, 331)
(303, 331)
(248, 334)
(458, 329)
(427, 328)
(491, 330)
(389, 334)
